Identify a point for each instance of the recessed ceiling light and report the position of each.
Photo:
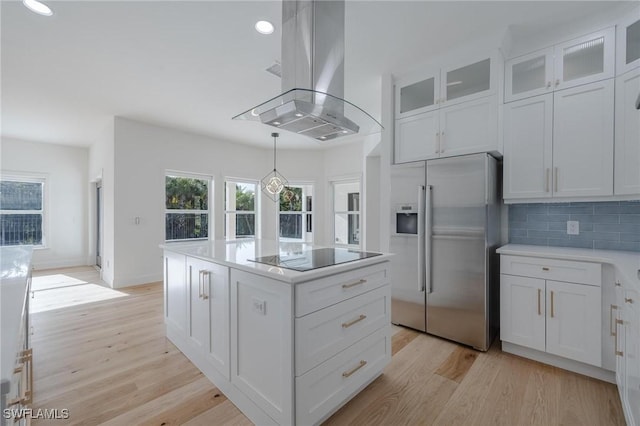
(277, 123)
(263, 27)
(38, 7)
(254, 112)
(298, 114)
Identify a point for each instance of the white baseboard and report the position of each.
(560, 362)
(136, 280)
(59, 263)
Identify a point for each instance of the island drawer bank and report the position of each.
(286, 347)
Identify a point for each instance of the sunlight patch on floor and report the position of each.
(62, 291)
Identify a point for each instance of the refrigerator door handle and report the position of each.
(420, 238)
(427, 238)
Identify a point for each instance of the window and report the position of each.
(240, 209)
(346, 212)
(22, 211)
(294, 213)
(187, 206)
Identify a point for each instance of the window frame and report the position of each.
(255, 212)
(304, 213)
(29, 177)
(209, 212)
(358, 213)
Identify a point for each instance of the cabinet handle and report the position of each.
(353, 284)
(205, 288)
(544, 268)
(441, 142)
(616, 349)
(355, 321)
(628, 300)
(555, 179)
(199, 282)
(539, 294)
(548, 84)
(612, 329)
(353, 370)
(437, 142)
(552, 312)
(617, 284)
(557, 82)
(546, 181)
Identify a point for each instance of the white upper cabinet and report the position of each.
(468, 81)
(573, 63)
(628, 41)
(585, 59)
(529, 75)
(583, 140)
(450, 111)
(417, 95)
(627, 134)
(528, 129)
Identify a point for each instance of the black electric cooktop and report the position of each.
(314, 259)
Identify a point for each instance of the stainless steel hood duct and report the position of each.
(312, 101)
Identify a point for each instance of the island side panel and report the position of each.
(262, 343)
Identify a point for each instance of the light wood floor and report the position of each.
(102, 354)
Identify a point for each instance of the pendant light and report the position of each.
(273, 183)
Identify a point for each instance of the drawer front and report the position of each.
(324, 333)
(328, 386)
(318, 294)
(552, 269)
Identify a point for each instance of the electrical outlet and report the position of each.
(260, 306)
(573, 227)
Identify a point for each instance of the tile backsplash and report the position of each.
(604, 225)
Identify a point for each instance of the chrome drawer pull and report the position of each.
(612, 329)
(354, 284)
(350, 372)
(350, 323)
(544, 268)
(628, 300)
(616, 350)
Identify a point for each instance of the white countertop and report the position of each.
(236, 254)
(15, 262)
(627, 262)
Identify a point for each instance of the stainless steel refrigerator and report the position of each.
(446, 227)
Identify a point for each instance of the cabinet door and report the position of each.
(417, 95)
(417, 137)
(627, 134)
(574, 321)
(529, 75)
(632, 355)
(528, 132)
(522, 311)
(628, 41)
(585, 59)
(217, 292)
(175, 291)
(198, 328)
(469, 127)
(468, 81)
(583, 140)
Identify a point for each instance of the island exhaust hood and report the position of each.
(313, 76)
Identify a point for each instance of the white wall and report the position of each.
(65, 169)
(144, 152)
(102, 168)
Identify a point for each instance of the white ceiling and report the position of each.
(194, 65)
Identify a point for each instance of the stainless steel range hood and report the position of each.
(313, 76)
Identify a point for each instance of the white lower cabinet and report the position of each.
(557, 317)
(208, 327)
(175, 290)
(627, 333)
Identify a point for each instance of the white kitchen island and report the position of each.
(285, 346)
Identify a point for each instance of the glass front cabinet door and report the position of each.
(468, 81)
(585, 59)
(529, 75)
(417, 95)
(628, 39)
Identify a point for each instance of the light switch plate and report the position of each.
(260, 306)
(573, 227)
